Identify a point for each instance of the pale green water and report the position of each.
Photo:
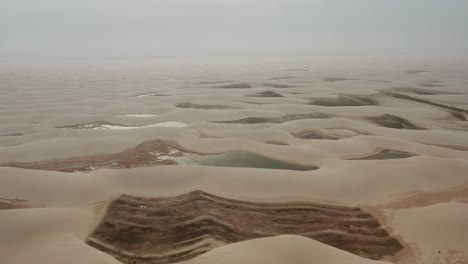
(248, 160)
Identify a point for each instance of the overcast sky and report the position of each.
(81, 29)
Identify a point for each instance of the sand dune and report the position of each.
(344, 100)
(290, 117)
(62, 248)
(107, 125)
(265, 163)
(24, 229)
(280, 249)
(446, 242)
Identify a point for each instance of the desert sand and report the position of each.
(314, 161)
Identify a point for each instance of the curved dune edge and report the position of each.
(344, 100)
(281, 119)
(422, 199)
(152, 230)
(138, 115)
(149, 153)
(382, 154)
(419, 100)
(204, 106)
(12, 135)
(279, 250)
(314, 134)
(445, 244)
(102, 185)
(314, 152)
(419, 91)
(72, 251)
(158, 152)
(107, 125)
(17, 204)
(271, 250)
(235, 85)
(265, 94)
(22, 230)
(461, 148)
(236, 182)
(392, 121)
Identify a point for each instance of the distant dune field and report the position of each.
(276, 162)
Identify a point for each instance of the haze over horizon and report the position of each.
(234, 131)
(54, 29)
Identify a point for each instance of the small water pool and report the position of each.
(247, 160)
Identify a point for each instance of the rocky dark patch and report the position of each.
(235, 86)
(148, 153)
(154, 153)
(151, 94)
(201, 106)
(255, 103)
(142, 230)
(420, 91)
(386, 154)
(6, 204)
(312, 134)
(458, 115)
(379, 81)
(275, 142)
(279, 85)
(265, 94)
(12, 135)
(415, 71)
(344, 100)
(216, 82)
(424, 101)
(302, 82)
(282, 119)
(430, 84)
(203, 135)
(392, 121)
(282, 78)
(336, 79)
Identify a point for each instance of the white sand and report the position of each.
(163, 124)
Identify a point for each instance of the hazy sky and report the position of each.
(44, 29)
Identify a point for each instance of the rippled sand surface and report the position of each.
(383, 140)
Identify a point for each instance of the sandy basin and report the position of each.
(263, 137)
